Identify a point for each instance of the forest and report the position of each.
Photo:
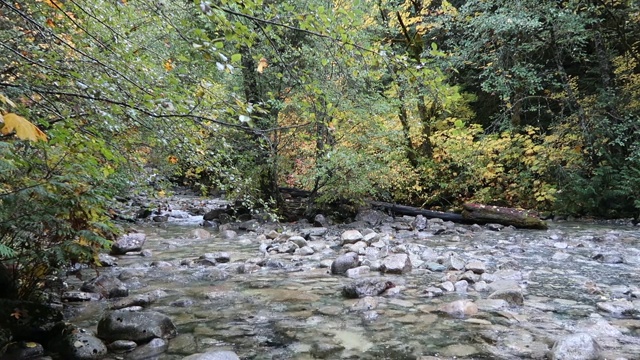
(527, 104)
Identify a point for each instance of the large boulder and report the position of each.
(128, 242)
(108, 286)
(138, 326)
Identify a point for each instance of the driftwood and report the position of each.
(503, 215)
(472, 214)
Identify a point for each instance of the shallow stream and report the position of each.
(292, 307)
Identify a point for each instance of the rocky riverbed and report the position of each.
(377, 288)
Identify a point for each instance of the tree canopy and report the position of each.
(430, 103)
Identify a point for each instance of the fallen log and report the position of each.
(472, 214)
(414, 211)
(502, 215)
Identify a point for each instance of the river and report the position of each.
(575, 277)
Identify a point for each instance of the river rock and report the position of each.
(106, 285)
(215, 214)
(461, 286)
(396, 264)
(477, 267)
(618, 307)
(128, 242)
(304, 251)
(138, 326)
(82, 345)
(351, 237)
(459, 308)
(580, 346)
(366, 287)
(453, 262)
(22, 350)
(214, 355)
(200, 234)
(75, 295)
(145, 299)
(365, 303)
(371, 217)
(122, 346)
(419, 223)
(107, 260)
(183, 344)
(344, 262)
(149, 350)
(512, 296)
(358, 272)
(313, 232)
(320, 220)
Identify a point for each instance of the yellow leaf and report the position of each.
(31, 344)
(172, 159)
(24, 129)
(262, 65)
(6, 100)
(168, 65)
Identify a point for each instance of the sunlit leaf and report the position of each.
(24, 129)
(262, 65)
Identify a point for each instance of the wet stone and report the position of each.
(618, 307)
(396, 264)
(214, 355)
(460, 308)
(149, 350)
(580, 346)
(447, 286)
(461, 286)
(366, 287)
(454, 262)
(106, 285)
(435, 267)
(82, 346)
(358, 272)
(476, 267)
(344, 262)
(122, 346)
(365, 303)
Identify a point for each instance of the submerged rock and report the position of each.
(214, 355)
(459, 308)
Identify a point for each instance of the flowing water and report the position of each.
(292, 308)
